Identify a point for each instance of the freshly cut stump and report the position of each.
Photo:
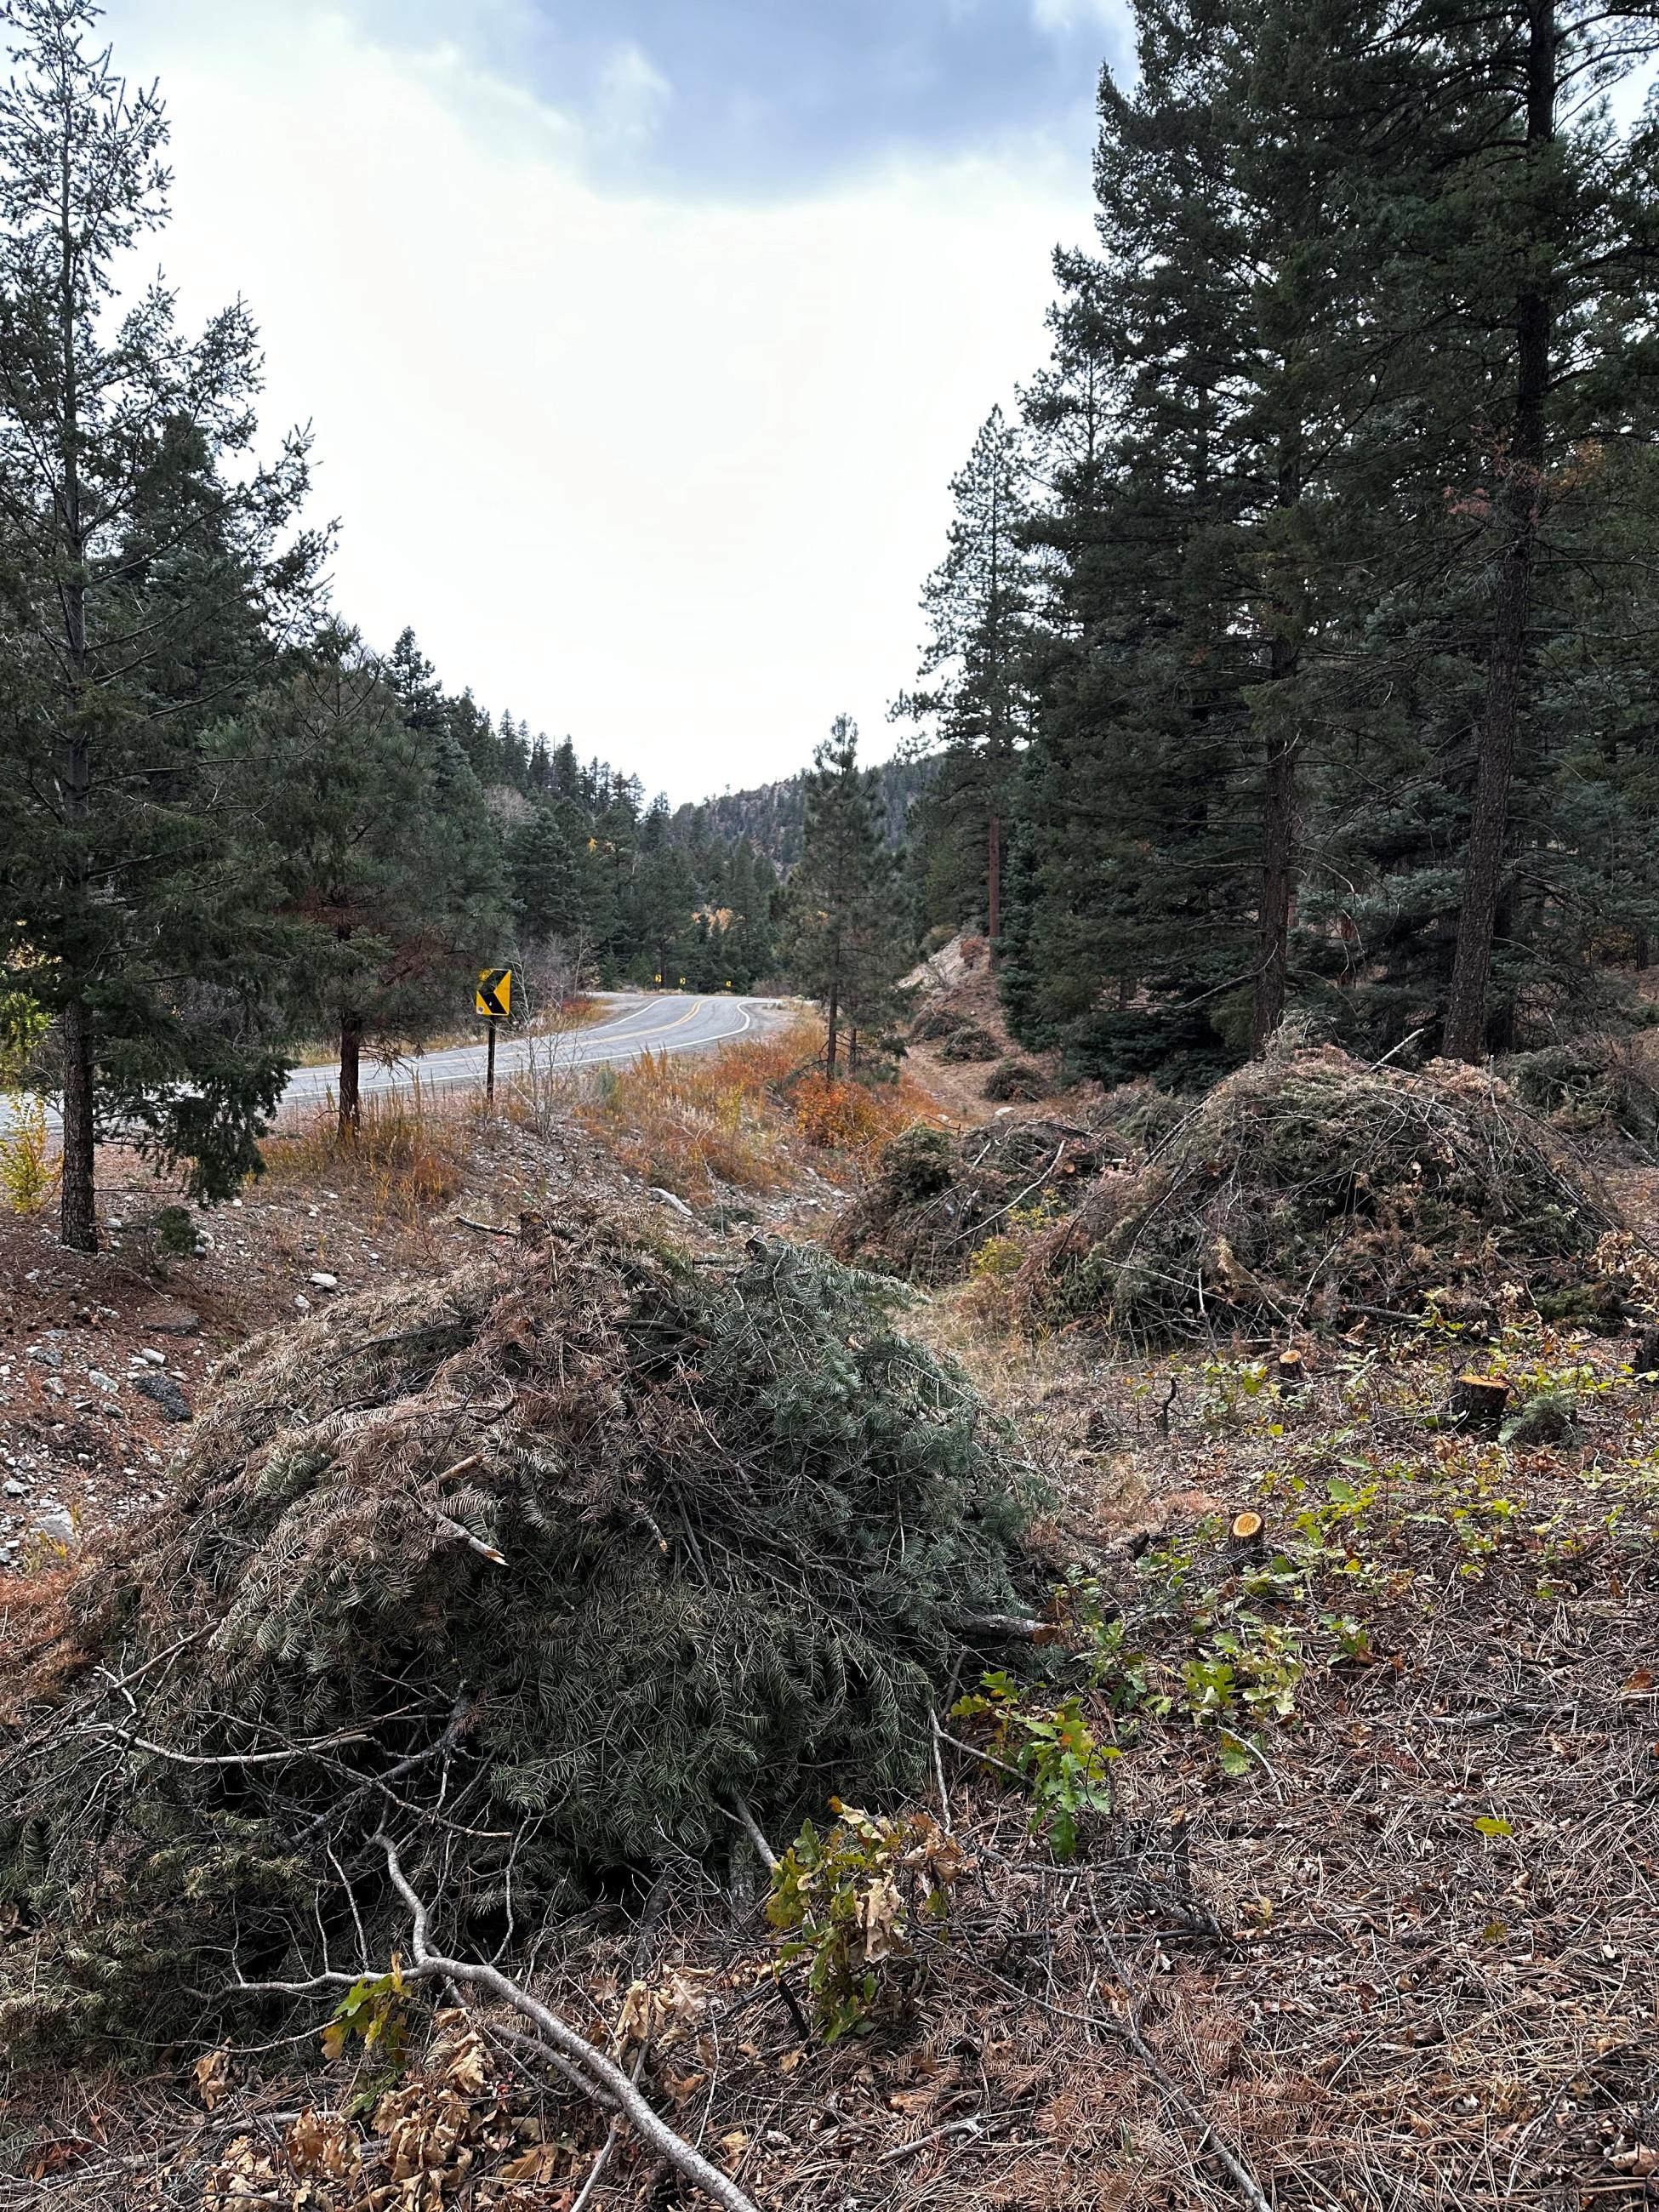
(1479, 1402)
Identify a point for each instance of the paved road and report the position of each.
(636, 1023)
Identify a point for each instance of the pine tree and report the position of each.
(848, 951)
(974, 671)
(376, 835)
(545, 894)
(142, 578)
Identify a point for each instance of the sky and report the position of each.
(638, 338)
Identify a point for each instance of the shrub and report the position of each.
(585, 1547)
(1309, 1184)
(969, 1044)
(937, 1198)
(1595, 1086)
(1012, 1079)
(846, 1902)
(27, 1175)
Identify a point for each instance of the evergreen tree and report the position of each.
(973, 672)
(1279, 440)
(142, 580)
(545, 894)
(377, 836)
(848, 951)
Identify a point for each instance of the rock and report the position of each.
(152, 1357)
(46, 1355)
(325, 1282)
(668, 1198)
(99, 1381)
(57, 1524)
(15, 1489)
(164, 1392)
(166, 1317)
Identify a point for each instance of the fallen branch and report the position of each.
(1023, 1627)
(751, 1827)
(600, 2071)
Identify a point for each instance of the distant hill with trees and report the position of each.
(772, 818)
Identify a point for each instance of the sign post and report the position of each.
(493, 1000)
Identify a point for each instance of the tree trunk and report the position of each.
(833, 1045)
(1279, 823)
(1480, 1402)
(1500, 719)
(78, 1212)
(994, 888)
(351, 1054)
(1279, 809)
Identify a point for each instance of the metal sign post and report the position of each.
(493, 1001)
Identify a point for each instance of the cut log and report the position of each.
(1289, 1372)
(1478, 1401)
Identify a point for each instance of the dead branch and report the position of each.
(598, 2068)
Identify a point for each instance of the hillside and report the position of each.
(772, 818)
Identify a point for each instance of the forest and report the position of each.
(1293, 652)
(1004, 1555)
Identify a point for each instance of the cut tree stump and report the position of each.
(1478, 1401)
(1645, 1361)
(1249, 1536)
(1289, 1372)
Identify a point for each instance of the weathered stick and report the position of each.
(601, 2070)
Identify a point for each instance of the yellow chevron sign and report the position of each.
(494, 997)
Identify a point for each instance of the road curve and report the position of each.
(639, 1022)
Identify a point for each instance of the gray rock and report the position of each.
(325, 1282)
(168, 1318)
(58, 1525)
(99, 1381)
(15, 1489)
(46, 1355)
(164, 1392)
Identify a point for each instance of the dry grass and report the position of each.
(745, 1118)
(408, 1157)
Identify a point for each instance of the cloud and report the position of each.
(1064, 17)
(663, 473)
(630, 99)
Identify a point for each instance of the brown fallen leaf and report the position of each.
(215, 2078)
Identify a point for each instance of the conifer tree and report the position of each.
(975, 679)
(142, 577)
(542, 867)
(848, 950)
(386, 864)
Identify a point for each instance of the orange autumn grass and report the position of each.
(748, 1116)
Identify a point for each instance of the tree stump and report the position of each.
(1289, 1372)
(1249, 1537)
(1646, 1360)
(1478, 1401)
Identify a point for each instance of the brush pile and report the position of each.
(935, 1198)
(1309, 1189)
(545, 1568)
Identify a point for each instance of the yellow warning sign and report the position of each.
(494, 998)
